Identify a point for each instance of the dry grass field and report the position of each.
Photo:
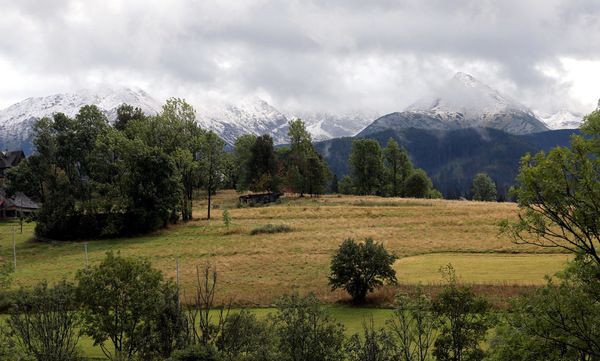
(256, 269)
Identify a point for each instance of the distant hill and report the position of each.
(453, 157)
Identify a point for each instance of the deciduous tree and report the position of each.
(121, 301)
(366, 166)
(397, 166)
(360, 267)
(484, 188)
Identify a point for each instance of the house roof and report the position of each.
(19, 201)
(11, 158)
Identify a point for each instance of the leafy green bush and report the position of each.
(43, 322)
(226, 218)
(271, 228)
(305, 331)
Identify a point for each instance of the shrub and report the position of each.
(465, 320)
(271, 228)
(305, 331)
(413, 326)
(372, 345)
(245, 336)
(125, 301)
(226, 218)
(43, 323)
(360, 267)
(197, 353)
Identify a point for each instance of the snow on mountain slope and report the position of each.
(250, 116)
(324, 126)
(563, 119)
(17, 120)
(256, 116)
(463, 102)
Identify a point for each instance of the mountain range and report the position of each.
(462, 102)
(249, 116)
(461, 128)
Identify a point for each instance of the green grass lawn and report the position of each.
(482, 268)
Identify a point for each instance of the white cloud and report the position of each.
(303, 55)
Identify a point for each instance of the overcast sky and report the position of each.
(337, 55)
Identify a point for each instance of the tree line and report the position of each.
(94, 179)
(386, 172)
(142, 173)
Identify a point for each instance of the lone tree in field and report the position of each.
(484, 188)
(360, 267)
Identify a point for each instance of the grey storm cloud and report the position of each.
(320, 55)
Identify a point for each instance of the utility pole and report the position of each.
(14, 249)
(177, 280)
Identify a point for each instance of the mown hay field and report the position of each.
(256, 269)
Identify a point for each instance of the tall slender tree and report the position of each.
(211, 160)
(242, 156)
(263, 167)
(366, 166)
(307, 172)
(397, 167)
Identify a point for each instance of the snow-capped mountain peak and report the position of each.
(462, 102)
(468, 96)
(17, 120)
(107, 99)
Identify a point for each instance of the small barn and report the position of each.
(16, 206)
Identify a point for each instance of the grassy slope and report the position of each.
(253, 270)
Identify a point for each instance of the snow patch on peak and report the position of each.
(466, 95)
(562, 119)
(466, 79)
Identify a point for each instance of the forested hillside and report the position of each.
(452, 157)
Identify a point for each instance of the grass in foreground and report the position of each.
(255, 270)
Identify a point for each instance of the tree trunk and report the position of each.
(209, 199)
